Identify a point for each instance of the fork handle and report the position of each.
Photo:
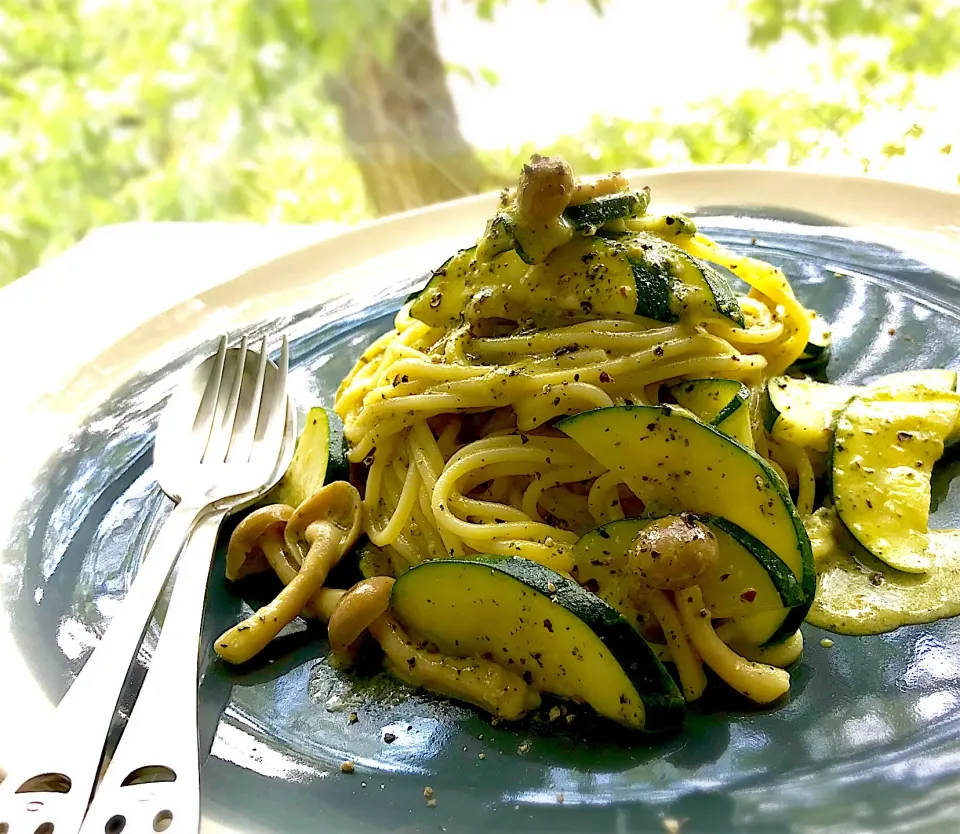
(153, 778)
(67, 751)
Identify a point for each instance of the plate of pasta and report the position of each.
(644, 522)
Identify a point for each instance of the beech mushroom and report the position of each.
(671, 552)
(357, 608)
(245, 555)
(317, 534)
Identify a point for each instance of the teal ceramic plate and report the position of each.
(869, 738)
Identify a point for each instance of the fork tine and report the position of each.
(276, 410)
(216, 450)
(271, 422)
(248, 412)
(208, 402)
(204, 419)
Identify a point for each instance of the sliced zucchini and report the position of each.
(665, 225)
(560, 637)
(748, 578)
(531, 242)
(587, 217)
(320, 457)
(656, 290)
(674, 462)
(724, 403)
(441, 300)
(587, 276)
(858, 594)
(672, 284)
(803, 410)
(884, 447)
(936, 379)
(466, 283)
(500, 237)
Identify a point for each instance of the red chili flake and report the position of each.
(604, 376)
(748, 595)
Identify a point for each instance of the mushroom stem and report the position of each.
(329, 522)
(321, 606)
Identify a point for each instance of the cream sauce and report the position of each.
(858, 594)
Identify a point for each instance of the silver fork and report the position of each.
(220, 444)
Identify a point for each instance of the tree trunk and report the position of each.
(400, 123)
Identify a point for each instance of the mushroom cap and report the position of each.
(356, 609)
(244, 555)
(336, 512)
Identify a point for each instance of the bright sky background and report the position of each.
(637, 41)
(642, 55)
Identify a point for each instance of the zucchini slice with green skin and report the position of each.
(320, 457)
(672, 284)
(586, 218)
(885, 444)
(532, 242)
(440, 301)
(560, 637)
(748, 578)
(464, 281)
(500, 237)
(724, 403)
(584, 277)
(656, 291)
(674, 462)
(803, 410)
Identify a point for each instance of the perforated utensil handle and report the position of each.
(49, 788)
(153, 780)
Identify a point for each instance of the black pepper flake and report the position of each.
(876, 578)
(389, 738)
(411, 662)
(548, 626)
(658, 350)
(604, 376)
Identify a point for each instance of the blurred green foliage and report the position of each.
(745, 129)
(117, 110)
